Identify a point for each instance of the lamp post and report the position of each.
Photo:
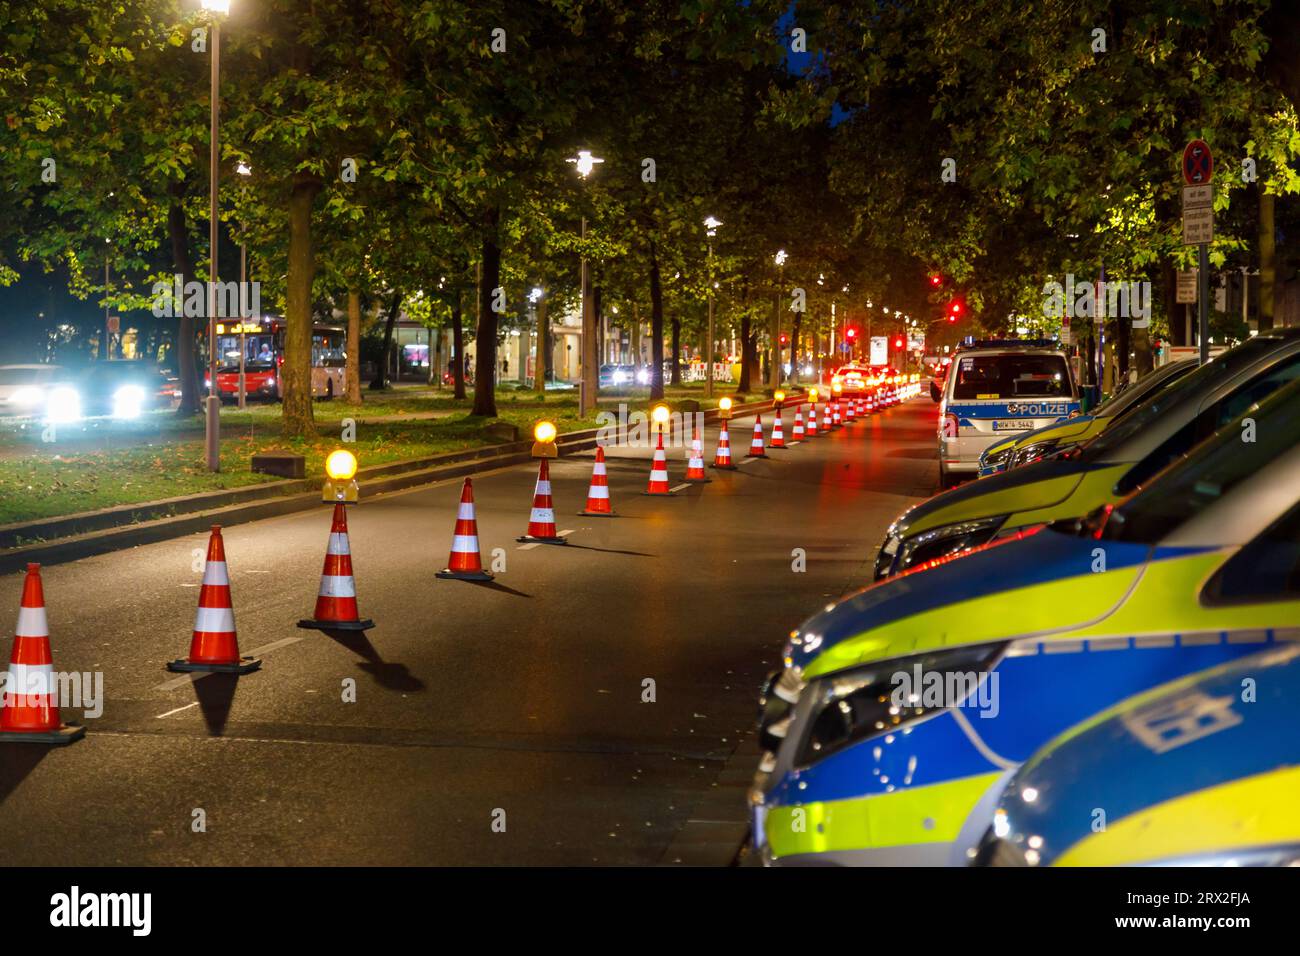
(212, 425)
(711, 229)
(585, 163)
(244, 170)
(779, 258)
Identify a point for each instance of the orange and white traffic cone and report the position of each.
(598, 505)
(836, 420)
(862, 408)
(30, 713)
(826, 417)
(336, 602)
(214, 646)
(658, 484)
(541, 520)
(465, 563)
(695, 461)
(797, 433)
(756, 443)
(778, 436)
(849, 413)
(722, 457)
(811, 431)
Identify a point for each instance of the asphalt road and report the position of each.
(522, 696)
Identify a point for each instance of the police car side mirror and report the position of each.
(936, 393)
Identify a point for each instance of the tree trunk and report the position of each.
(295, 381)
(485, 352)
(1123, 342)
(657, 332)
(543, 345)
(380, 380)
(794, 347)
(1267, 259)
(352, 374)
(746, 359)
(675, 368)
(183, 341)
(458, 346)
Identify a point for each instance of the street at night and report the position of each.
(526, 464)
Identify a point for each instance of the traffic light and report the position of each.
(898, 343)
(851, 333)
(936, 280)
(956, 309)
(785, 339)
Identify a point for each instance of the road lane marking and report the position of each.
(177, 710)
(199, 675)
(676, 488)
(537, 544)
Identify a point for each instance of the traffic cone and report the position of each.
(797, 432)
(862, 408)
(756, 445)
(541, 520)
(811, 430)
(465, 563)
(31, 709)
(836, 420)
(658, 472)
(213, 645)
(778, 436)
(336, 602)
(722, 457)
(598, 494)
(695, 461)
(826, 417)
(849, 413)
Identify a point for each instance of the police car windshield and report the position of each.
(1140, 416)
(1010, 375)
(1210, 472)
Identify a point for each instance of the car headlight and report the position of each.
(643, 376)
(63, 405)
(859, 704)
(1028, 454)
(27, 396)
(947, 540)
(995, 461)
(128, 401)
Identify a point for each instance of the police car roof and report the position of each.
(1009, 343)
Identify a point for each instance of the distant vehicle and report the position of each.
(623, 376)
(23, 388)
(998, 388)
(263, 342)
(122, 390)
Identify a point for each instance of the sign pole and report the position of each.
(1203, 293)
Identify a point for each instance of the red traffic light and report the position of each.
(784, 338)
(898, 343)
(955, 309)
(851, 332)
(936, 280)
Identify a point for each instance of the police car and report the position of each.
(903, 709)
(1201, 772)
(997, 388)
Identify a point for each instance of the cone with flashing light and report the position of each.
(598, 505)
(465, 563)
(722, 457)
(658, 484)
(336, 602)
(695, 461)
(797, 433)
(31, 708)
(541, 520)
(214, 646)
(778, 435)
(756, 449)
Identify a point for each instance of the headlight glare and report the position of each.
(128, 401)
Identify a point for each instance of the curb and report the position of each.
(127, 526)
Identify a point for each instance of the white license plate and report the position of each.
(1017, 425)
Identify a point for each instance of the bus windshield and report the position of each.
(259, 351)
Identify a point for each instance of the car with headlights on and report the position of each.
(1016, 450)
(997, 388)
(23, 388)
(122, 390)
(902, 710)
(1107, 468)
(1204, 771)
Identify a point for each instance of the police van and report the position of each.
(997, 388)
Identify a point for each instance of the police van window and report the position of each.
(1212, 470)
(996, 377)
(1266, 569)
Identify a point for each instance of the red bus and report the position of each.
(263, 344)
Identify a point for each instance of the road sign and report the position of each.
(844, 346)
(880, 350)
(1198, 195)
(1198, 225)
(1186, 290)
(114, 323)
(1198, 163)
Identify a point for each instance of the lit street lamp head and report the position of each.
(584, 162)
(712, 224)
(216, 6)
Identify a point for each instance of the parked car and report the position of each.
(1201, 772)
(902, 710)
(1104, 470)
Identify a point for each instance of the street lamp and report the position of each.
(585, 163)
(711, 225)
(244, 170)
(212, 421)
(780, 258)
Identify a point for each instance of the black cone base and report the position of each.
(246, 665)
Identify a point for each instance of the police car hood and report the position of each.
(1042, 583)
(1038, 485)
